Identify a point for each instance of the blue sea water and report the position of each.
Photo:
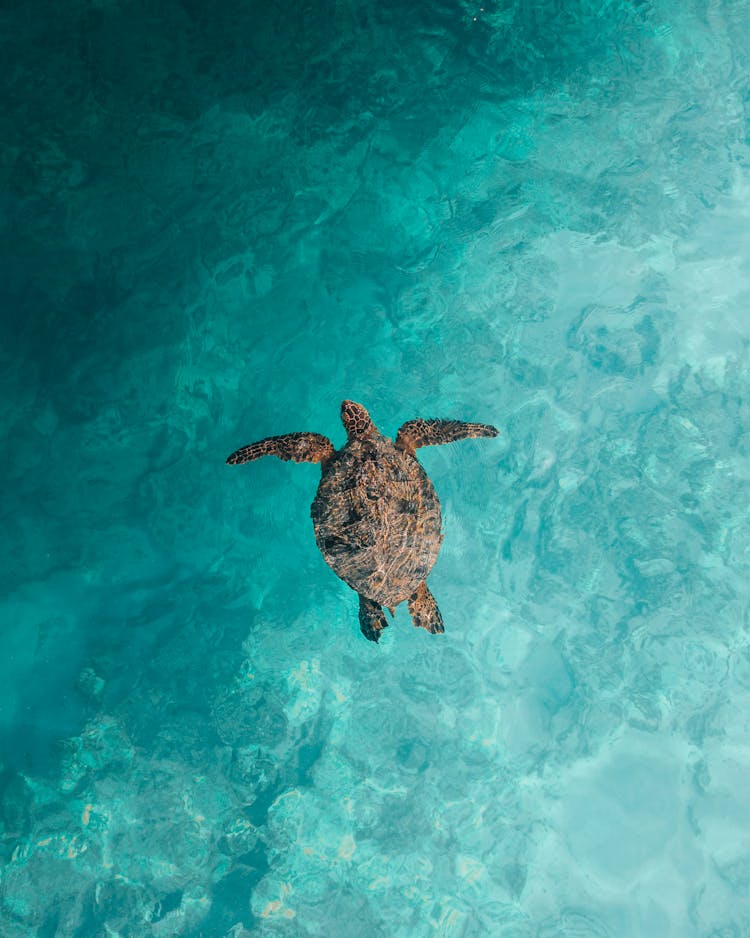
(218, 221)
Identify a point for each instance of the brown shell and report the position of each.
(377, 519)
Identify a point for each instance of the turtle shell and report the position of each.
(377, 519)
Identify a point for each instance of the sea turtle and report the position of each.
(376, 514)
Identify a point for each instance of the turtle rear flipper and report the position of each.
(299, 447)
(424, 610)
(416, 433)
(372, 619)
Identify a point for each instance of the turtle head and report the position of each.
(356, 421)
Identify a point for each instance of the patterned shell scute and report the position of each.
(377, 519)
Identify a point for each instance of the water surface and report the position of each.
(219, 221)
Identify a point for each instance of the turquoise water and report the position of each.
(217, 222)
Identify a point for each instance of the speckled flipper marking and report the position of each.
(415, 433)
(372, 619)
(424, 610)
(299, 447)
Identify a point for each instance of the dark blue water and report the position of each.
(217, 222)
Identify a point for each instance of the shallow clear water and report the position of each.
(219, 221)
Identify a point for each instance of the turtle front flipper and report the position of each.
(372, 619)
(299, 447)
(424, 610)
(415, 433)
